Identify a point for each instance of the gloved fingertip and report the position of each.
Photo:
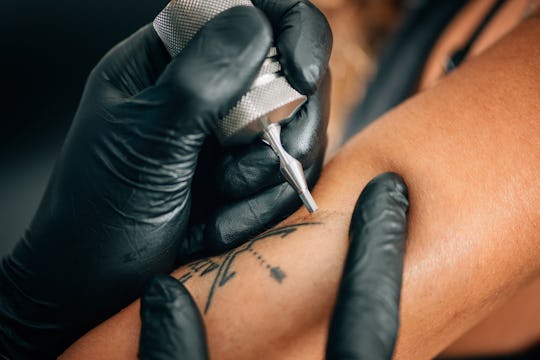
(366, 315)
(388, 182)
(163, 296)
(221, 62)
(385, 192)
(161, 289)
(305, 44)
(223, 234)
(218, 66)
(171, 322)
(241, 29)
(393, 181)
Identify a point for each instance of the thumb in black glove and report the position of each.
(366, 315)
(117, 206)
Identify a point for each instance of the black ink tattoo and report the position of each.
(222, 267)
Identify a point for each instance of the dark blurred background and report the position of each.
(47, 50)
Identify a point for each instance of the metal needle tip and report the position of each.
(289, 166)
(308, 201)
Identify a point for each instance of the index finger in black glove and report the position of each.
(255, 167)
(304, 41)
(366, 315)
(172, 326)
(260, 207)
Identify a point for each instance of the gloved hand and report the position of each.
(366, 316)
(246, 181)
(117, 207)
(171, 324)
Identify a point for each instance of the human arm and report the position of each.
(468, 151)
(365, 320)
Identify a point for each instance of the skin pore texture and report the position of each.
(468, 151)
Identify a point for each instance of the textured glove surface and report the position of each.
(172, 326)
(117, 208)
(366, 315)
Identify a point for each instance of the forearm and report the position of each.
(469, 153)
(272, 296)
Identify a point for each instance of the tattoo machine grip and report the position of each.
(271, 100)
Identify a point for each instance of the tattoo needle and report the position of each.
(270, 101)
(289, 166)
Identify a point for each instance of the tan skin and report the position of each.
(516, 325)
(468, 150)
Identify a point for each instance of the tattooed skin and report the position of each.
(222, 268)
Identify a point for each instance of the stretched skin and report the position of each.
(365, 319)
(172, 326)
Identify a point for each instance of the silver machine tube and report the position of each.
(270, 102)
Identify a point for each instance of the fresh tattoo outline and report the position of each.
(222, 267)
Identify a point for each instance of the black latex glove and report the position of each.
(248, 184)
(366, 315)
(171, 324)
(117, 207)
(365, 321)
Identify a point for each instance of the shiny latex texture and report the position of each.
(172, 326)
(117, 207)
(248, 183)
(366, 315)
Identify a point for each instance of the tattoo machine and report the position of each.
(270, 102)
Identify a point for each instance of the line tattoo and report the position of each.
(222, 267)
